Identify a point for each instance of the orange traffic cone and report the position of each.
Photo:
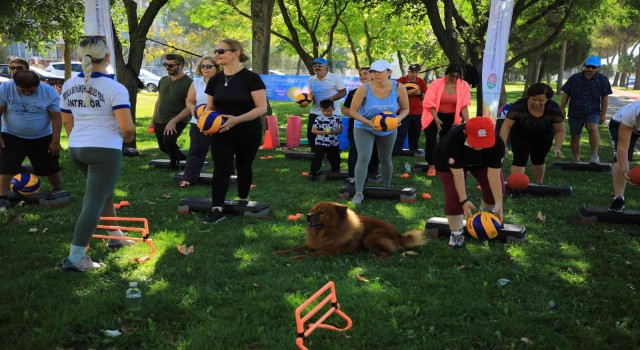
(268, 144)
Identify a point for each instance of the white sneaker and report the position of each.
(357, 198)
(85, 264)
(595, 158)
(456, 241)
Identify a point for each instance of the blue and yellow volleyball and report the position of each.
(411, 87)
(198, 110)
(25, 184)
(484, 226)
(210, 122)
(385, 121)
(304, 99)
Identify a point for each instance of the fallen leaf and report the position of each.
(149, 202)
(21, 203)
(287, 265)
(256, 285)
(184, 250)
(409, 253)
(141, 260)
(460, 267)
(426, 196)
(627, 262)
(361, 278)
(609, 231)
(526, 340)
(540, 216)
(252, 186)
(166, 195)
(45, 230)
(33, 229)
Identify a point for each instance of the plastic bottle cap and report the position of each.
(133, 284)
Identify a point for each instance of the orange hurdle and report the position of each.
(144, 230)
(335, 307)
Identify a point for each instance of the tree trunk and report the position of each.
(401, 62)
(636, 84)
(67, 59)
(563, 57)
(262, 13)
(616, 79)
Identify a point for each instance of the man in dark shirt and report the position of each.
(587, 93)
(476, 148)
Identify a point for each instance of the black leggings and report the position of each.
(169, 143)
(433, 136)
(535, 145)
(241, 143)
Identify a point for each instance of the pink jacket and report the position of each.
(432, 99)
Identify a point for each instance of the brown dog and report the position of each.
(333, 228)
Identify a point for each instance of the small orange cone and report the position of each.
(268, 144)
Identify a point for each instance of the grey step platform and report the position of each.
(164, 164)
(204, 178)
(203, 204)
(46, 198)
(541, 190)
(583, 166)
(596, 214)
(328, 175)
(439, 227)
(405, 194)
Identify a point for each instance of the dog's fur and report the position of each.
(333, 228)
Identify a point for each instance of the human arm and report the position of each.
(436, 120)
(155, 112)
(505, 129)
(461, 189)
(603, 108)
(259, 98)
(465, 114)
(191, 97)
(403, 102)
(496, 184)
(563, 101)
(128, 129)
(340, 94)
(170, 129)
(560, 133)
(358, 98)
(2, 109)
(56, 126)
(622, 149)
(67, 122)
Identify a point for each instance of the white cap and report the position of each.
(380, 66)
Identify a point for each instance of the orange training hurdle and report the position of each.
(144, 230)
(335, 307)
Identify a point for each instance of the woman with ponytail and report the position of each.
(96, 114)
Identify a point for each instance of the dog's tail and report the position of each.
(413, 238)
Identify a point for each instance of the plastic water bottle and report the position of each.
(133, 299)
(407, 167)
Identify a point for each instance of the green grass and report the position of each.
(572, 286)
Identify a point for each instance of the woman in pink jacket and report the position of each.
(444, 105)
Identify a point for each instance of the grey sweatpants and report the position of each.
(364, 143)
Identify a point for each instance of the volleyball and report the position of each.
(25, 184)
(304, 99)
(385, 121)
(484, 225)
(210, 122)
(634, 175)
(198, 110)
(518, 181)
(411, 87)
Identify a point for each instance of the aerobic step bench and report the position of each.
(590, 214)
(418, 154)
(583, 166)
(204, 178)
(296, 154)
(439, 227)
(405, 194)
(327, 175)
(46, 198)
(164, 164)
(541, 190)
(420, 167)
(203, 204)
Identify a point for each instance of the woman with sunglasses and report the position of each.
(444, 105)
(96, 114)
(239, 95)
(200, 143)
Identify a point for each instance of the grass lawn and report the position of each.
(572, 286)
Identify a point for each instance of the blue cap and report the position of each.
(592, 61)
(321, 60)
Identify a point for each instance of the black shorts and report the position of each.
(16, 149)
(613, 132)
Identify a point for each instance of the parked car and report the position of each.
(149, 80)
(57, 68)
(631, 81)
(275, 72)
(4, 71)
(49, 78)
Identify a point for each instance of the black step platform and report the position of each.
(418, 154)
(297, 154)
(405, 194)
(439, 227)
(46, 198)
(26, 168)
(203, 204)
(164, 164)
(593, 214)
(328, 175)
(420, 167)
(583, 166)
(541, 190)
(204, 178)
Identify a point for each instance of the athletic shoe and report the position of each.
(4, 205)
(351, 181)
(456, 241)
(617, 206)
(312, 177)
(85, 264)
(595, 158)
(357, 199)
(243, 202)
(214, 217)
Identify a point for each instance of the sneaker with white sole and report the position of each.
(594, 159)
(456, 241)
(617, 206)
(214, 217)
(357, 198)
(85, 264)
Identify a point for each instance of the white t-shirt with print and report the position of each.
(629, 115)
(323, 89)
(333, 122)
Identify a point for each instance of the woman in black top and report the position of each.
(239, 95)
(533, 123)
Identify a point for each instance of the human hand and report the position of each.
(229, 122)
(467, 207)
(1, 142)
(438, 124)
(170, 129)
(602, 119)
(499, 213)
(557, 153)
(54, 148)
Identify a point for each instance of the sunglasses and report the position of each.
(170, 65)
(590, 67)
(207, 66)
(16, 68)
(222, 51)
(317, 65)
(93, 39)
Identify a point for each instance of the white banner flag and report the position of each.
(97, 21)
(495, 52)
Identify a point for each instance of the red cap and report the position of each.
(480, 132)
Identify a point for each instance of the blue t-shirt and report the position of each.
(372, 106)
(585, 95)
(28, 116)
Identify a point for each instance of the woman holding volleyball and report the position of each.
(239, 95)
(378, 95)
(200, 143)
(96, 115)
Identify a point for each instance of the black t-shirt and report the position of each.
(452, 153)
(235, 98)
(347, 104)
(527, 126)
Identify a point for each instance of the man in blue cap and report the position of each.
(588, 95)
(323, 85)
